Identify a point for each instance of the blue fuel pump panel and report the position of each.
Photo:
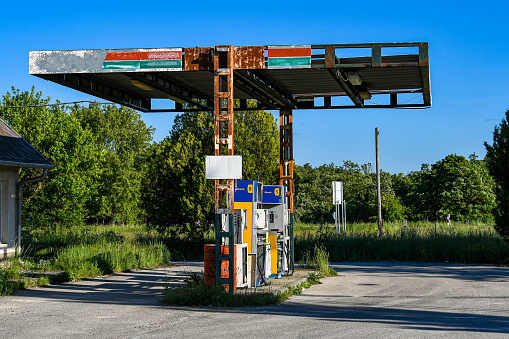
(273, 194)
(246, 191)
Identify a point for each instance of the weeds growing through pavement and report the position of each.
(194, 292)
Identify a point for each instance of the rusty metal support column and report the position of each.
(286, 154)
(223, 141)
(223, 121)
(286, 170)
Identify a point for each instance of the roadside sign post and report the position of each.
(339, 203)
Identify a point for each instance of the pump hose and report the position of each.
(262, 274)
(290, 259)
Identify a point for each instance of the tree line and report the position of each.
(454, 186)
(109, 170)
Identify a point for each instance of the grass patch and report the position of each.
(90, 260)
(194, 292)
(58, 254)
(8, 282)
(319, 260)
(468, 245)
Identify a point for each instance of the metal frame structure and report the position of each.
(286, 168)
(223, 135)
(191, 85)
(283, 78)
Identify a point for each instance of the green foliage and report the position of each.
(313, 186)
(99, 156)
(107, 172)
(178, 199)
(60, 138)
(55, 254)
(7, 283)
(453, 244)
(497, 157)
(194, 292)
(121, 141)
(392, 209)
(257, 140)
(86, 251)
(456, 186)
(312, 279)
(319, 260)
(108, 257)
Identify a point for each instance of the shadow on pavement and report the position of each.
(429, 270)
(143, 287)
(146, 287)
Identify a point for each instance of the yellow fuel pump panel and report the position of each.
(245, 198)
(273, 252)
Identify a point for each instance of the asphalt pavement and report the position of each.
(366, 300)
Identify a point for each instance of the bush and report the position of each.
(319, 261)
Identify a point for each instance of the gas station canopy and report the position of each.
(277, 77)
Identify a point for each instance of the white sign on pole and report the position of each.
(337, 192)
(223, 167)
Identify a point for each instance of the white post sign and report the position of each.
(223, 167)
(337, 192)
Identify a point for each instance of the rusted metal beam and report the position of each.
(376, 55)
(175, 89)
(425, 76)
(248, 57)
(286, 154)
(89, 84)
(199, 59)
(223, 140)
(330, 57)
(265, 89)
(299, 107)
(347, 87)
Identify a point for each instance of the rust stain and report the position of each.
(330, 57)
(423, 54)
(249, 57)
(199, 59)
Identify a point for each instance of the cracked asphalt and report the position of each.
(375, 300)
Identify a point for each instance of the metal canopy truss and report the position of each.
(276, 77)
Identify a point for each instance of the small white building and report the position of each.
(15, 153)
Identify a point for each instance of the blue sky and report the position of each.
(469, 62)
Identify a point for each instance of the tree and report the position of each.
(59, 137)
(454, 185)
(121, 141)
(313, 199)
(178, 198)
(497, 157)
(257, 140)
(99, 157)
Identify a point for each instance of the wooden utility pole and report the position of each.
(378, 192)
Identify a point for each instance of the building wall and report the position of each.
(8, 210)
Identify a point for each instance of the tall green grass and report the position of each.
(180, 248)
(459, 245)
(89, 260)
(77, 252)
